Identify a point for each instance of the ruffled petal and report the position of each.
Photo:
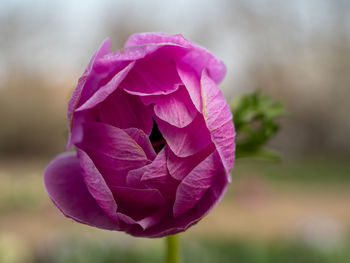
(170, 225)
(188, 140)
(200, 58)
(66, 187)
(72, 104)
(124, 111)
(102, 93)
(180, 167)
(175, 108)
(144, 207)
(157, 38)
(137, 203)
(155, 175)
(143, 140)
(218, 118)
(191, 80)
(113, 151)
(154, 75)
(194, 185)
(197, 57)
(95, 76)
(97, 185)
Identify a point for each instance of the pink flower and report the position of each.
(154, 138)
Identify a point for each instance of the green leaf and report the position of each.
(256, 121)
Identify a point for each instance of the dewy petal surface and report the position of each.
(218, 118)
(66, 187)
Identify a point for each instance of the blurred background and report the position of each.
(296, 210)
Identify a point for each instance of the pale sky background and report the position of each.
(298, 51)
(60, 36)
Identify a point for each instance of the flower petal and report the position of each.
(154, 75)
(143, 140)
(218, 118)
(102, 50)
(144, 207)
(194, 185)
(97, 185)
(94, 77)
(188, 140)
(200, 58)
(197, 57)
(113, 151)
(137, 203)
(66, 187)
(157, 38)
(102, 93)
(124, 111)
(180, 167)
(170, 225)
(175, 108)
(191, 80)
(155, 175)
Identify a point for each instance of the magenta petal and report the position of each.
(102, 93)
(97, 185)
(124, 111)
(127, 54)
(143, 140)
(157, 170)
(139, 204)
(198, 57)
(194, 185)
(188, 140)
(103, 50)
(170, 225)
(155, 175)
(180, 167)
(175, 108)
(113, 151)
(157, 38)
(191, 80)
(67, 189)
(154, 75)
(218, 118)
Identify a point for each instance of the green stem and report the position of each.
(173, 250)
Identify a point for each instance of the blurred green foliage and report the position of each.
(238, 251)
(256, 121)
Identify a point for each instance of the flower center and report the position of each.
(156, 138)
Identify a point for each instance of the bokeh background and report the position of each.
(296, 210)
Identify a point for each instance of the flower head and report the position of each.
(154, 138)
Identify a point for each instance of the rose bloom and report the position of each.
(154, 138)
